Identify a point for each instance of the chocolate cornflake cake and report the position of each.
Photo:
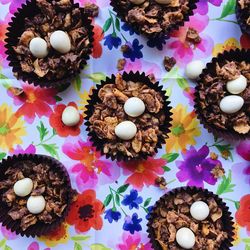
(49, 41)
(223, 94)
(154, 17)
(128, 117)
(34, 194)
(190, 218)
(243, 15)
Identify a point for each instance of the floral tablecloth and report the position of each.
(31, 123)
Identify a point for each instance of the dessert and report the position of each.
(154, 17)
(70, 116)
(243, 15)
(35, 194)
(49, 42)
(128, 117)
(223, 93)
(190, 218)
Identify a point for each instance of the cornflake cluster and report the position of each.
(54, 17)
(109, 112)
(172, 215)
(46, 183)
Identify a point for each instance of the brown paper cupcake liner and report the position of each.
(15, 29)
(242, 15)
(227, 219)
(166, 34)
(131, 76)
(39, 228)
(232, 55)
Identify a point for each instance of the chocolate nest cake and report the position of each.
(154, 17)
(243, 15)
(35, 194)
(223, 95)
(128, 117)
(49, 42)
(190, 219)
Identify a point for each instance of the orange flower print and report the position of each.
(85, 213)
(242, 216)
(183, 131)
(11, 128)
(229, 44)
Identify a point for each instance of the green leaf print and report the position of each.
(77, 83)
(99, 247)
(170, 157)
(166, 168)
(2, 155)
(107, 25)
(42, 131)
(247, 247)
(226, 186)
(2, 242)
(7, 248)
(122, 188)
(80, 238)
(96, 77)
(117, 200)
(228, 9)
(51, 149)
(183, 83)
(77, 246)
(117, 24)
(107, 200)
(147, 201)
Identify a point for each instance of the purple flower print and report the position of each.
(196, 167)
(14, 4)
(202, 6)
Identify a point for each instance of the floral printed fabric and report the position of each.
(114, 199)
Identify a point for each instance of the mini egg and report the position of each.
(36, 204)
(134, 107)
(237, 85)
(185, 238)
(38, 47)
(23, 187)
(70, 116)
(126, 130)
(60, 41)
(137, 2)
(163, 1)
(199, 210)
(194, 69)
(231, 104)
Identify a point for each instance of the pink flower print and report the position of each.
(7, 233)
(202, 6)
(14, 4)
(35, 246)
(100, 3)
(91, 168)
(183, 50)
(31, 149)
(132, 242)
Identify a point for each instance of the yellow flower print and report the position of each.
(184, 129)
(11, 128)
(236, 236)
(84, 100)
(58, 236)
(229, 44)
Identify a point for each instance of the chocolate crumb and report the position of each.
(218, 171)
(121, 64)
(193, 36)
(169, 63)
(161, 182)
(213, 156)
(91, 10)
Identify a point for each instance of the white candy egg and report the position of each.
(199, 210)
(163, 1)
(237, 85)
(134, 107)
(185, 238)
(194, 69)
(23, 187)
(137, 1)
(36, 204)
(126, 130)
(70, 116)
(231, 104)
(38, 47)
(60, 41)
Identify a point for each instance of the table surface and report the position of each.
(127, 190)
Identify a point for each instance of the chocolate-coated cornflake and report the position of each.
(54, 15)
(213, 88)
(109, 112)
(46, 182)
(173, 213)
